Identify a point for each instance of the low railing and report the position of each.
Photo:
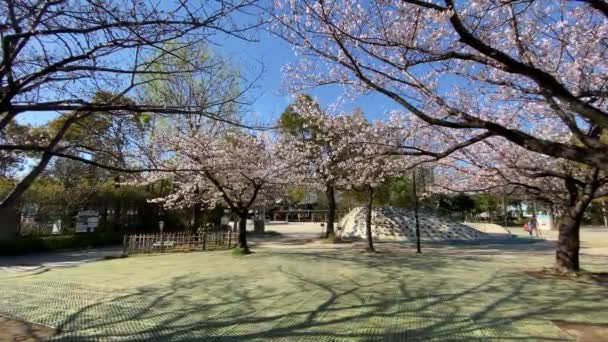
(179, 241)
(305, 215)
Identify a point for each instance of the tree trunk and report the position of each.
(331, 214)
(604, 214)
(368, 220)
(568, 241)
(103, 220)
(195, 221)
(116, 221)
(243, 231)
(520, 210)
(10, 200)
(235, 222)
(504, 210)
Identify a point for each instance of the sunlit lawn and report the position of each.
(306, 294)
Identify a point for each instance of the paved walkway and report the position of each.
(594, 241)
(293, 234)
(41, 261)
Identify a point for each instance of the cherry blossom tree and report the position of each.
(57, 55)
(499, 165)
(330, 149)
(374, 159)
(319, 145)
(533, 72)
(231, 167)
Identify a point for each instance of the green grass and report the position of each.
(330, 294)
(237, 251)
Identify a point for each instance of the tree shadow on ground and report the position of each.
(69, 258)
(480, 248)
(390, 306)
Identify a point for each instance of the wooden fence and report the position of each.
(180, 241)
(305, 215)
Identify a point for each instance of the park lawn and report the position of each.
(324, 294)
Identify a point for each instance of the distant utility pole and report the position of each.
(418, 249)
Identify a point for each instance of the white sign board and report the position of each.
(56, 227)
(86, 221)
(545, 222)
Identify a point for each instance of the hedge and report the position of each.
(34, 244)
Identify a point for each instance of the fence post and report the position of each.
(229, 238)
(204, 239)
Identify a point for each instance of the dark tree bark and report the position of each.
(242, 210)
(368, 220)
(103, 220)
(243, 231)
(116, 222)
(10, 200)
(330, 192)
(235, 225)
(196, 219)
(13, 196)
(568, 241)
(196, 216)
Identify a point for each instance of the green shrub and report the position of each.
(35, 244)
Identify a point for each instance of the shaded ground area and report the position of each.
(314, 292)
(40, 261)
(304, 295)
(584, 332)
(14, 330)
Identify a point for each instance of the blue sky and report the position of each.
(273, 53)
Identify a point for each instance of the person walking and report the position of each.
(533, 225)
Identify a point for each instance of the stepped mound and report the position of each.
(393, 223)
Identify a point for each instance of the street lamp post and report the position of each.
(418, 249)
(161, 226)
